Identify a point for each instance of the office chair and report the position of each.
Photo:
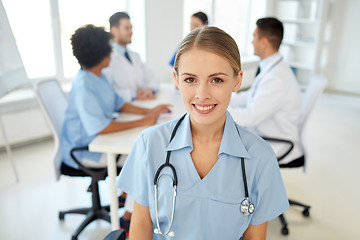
(53, 102)
(314, 89)
(119, 234)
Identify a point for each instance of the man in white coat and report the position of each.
(127, 74)
(272, 105)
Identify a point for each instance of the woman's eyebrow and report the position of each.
(188, 74)
(216, 74)
(211, 75)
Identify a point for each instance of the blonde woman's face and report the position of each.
(206, 82)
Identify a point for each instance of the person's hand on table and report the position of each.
(151, 118)
(153, 114)
(163, 108)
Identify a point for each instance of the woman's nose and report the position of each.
(202, 91)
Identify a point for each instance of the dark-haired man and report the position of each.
(127, 74)
(271, 107)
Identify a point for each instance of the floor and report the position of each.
(29, 209)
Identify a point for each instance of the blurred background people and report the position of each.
(197, 20)
(92, 101)
(127, 74)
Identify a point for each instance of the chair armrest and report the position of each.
(82, 167)
(282, 141)
(116, 235)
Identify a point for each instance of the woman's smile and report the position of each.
(204, 108)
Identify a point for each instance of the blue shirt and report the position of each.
(172, 60)
(92, 102)
(207, 208)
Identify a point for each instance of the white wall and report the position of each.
(23, 120)
(342, 52)
(24, 126)
(164, 24)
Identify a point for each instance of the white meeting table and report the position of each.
(122, 142)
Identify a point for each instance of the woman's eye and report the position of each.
(217, 80)
(189, 80)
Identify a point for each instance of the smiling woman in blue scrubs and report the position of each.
(206, 152)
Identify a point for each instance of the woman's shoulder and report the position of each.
(256, 146)
(160, 130)
(85, 79)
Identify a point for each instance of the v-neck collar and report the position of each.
(231, 142)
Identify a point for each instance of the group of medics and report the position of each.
(207, 171)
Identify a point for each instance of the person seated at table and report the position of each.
(92, 101)
(198, 20)
(127, 74)
(272, 106)
(203, 176)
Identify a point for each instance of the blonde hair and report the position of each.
(214, 40)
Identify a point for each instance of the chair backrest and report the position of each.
(53, 102)
(313, 91)
(316, 86)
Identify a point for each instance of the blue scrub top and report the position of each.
(92, 102)
(207, 208)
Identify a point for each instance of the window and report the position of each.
(74, 14)
(43, 35)
(233, 17)
(33, 34)
(236, 17)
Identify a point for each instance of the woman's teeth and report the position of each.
(204, 108)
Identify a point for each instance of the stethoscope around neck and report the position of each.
(246, 207)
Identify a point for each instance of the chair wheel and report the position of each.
(61, 215)
(306, 213)
(285, 231)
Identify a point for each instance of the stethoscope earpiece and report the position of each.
(170, 234)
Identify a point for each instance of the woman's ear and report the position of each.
(176, 79)
(238, 81)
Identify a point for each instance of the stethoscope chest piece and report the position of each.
(247, 208)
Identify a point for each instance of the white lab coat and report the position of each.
(272, 106)
(126, 77)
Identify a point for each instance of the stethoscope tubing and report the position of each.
(175, 182)
(167, 162)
